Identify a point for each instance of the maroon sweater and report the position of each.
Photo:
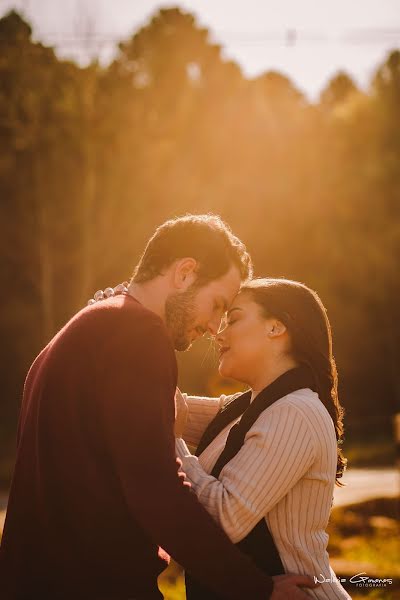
(96, 488)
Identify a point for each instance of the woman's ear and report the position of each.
(185, 273)
(275, 328)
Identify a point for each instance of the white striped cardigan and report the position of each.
(285, 472)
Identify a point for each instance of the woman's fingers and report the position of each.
(287, 587)
(304, 581)
(181, 412)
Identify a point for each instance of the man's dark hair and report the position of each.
(206, 238)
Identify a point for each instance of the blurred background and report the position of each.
(282, 117)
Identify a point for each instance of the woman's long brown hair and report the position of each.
(301, 311)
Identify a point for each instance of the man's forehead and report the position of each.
(231, 280)
(228, 291)
(238, 301)
(226, 287)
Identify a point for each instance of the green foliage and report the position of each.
(365, 538)
(171, 583)
(92, 159)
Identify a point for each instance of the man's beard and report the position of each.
(180, 317)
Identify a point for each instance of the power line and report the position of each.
(290, 36)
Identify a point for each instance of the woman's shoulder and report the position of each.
(300, 397)
(304, 410)
(307, 403)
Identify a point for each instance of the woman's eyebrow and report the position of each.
(232, 309)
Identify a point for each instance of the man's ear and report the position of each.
(275, 328)
(184, 273)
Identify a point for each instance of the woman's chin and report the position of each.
(225, 370)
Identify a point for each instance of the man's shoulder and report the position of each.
(126, 312)
(120, 317)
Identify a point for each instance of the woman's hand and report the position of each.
(287, 587)
(181, 413)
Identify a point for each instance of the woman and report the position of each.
(271, 472)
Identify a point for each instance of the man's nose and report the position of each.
(214, 325)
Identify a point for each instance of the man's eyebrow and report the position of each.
(230, 311)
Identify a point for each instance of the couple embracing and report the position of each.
(105, 486)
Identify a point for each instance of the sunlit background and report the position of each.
(283, 117)
(309, 41)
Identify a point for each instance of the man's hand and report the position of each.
(286, 587)
(181, 413)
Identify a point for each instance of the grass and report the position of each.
(368, 532)
(171, 583)
(365, 538)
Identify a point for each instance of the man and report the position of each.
(96, 489)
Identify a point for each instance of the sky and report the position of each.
(307, 40)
